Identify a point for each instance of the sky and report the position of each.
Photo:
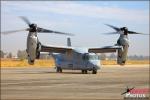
(85, 19)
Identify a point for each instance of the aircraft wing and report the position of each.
(55, 49)
(106, 49)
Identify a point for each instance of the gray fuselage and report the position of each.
(77, 59)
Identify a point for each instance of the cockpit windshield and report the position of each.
(94, 57)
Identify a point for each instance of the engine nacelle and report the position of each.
(122, 54)
(34, 54)
(30, 61)
(32, 47)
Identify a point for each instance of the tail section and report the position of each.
(68, 42)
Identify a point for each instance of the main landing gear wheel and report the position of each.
(59, 70)
(94, 71)
(84, 71)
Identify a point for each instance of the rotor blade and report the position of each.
(132, 32)
(14, 31)
(114, 27)
(25, 20)
(110, 33)
(42, 30)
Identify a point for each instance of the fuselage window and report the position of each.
(85, 57)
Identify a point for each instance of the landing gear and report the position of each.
(94, 71)
(84, 71)
(59, 70)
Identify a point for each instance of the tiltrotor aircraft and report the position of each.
(68, 57)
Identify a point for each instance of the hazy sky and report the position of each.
(85, 19)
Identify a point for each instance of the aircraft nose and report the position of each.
(96, 63)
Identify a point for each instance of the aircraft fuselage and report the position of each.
(78, 60)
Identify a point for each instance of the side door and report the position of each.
(85, 58)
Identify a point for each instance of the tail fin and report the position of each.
(68, 42)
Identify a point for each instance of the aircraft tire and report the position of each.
(59, 70)
(84, 71)
(94, 71)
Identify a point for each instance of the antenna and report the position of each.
(68, 42)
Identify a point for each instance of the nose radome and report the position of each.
(96, 63)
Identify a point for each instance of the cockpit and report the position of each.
(88, 56)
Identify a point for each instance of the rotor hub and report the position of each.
(125, 30)
(33, 27)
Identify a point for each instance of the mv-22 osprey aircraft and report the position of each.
(72, 58)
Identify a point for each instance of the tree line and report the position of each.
(5, 55)
(21, 54)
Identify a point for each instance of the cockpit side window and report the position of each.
(90, 57)
(85, 57)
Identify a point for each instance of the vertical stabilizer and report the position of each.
(68, 42)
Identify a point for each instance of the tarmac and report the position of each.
(44, 83)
